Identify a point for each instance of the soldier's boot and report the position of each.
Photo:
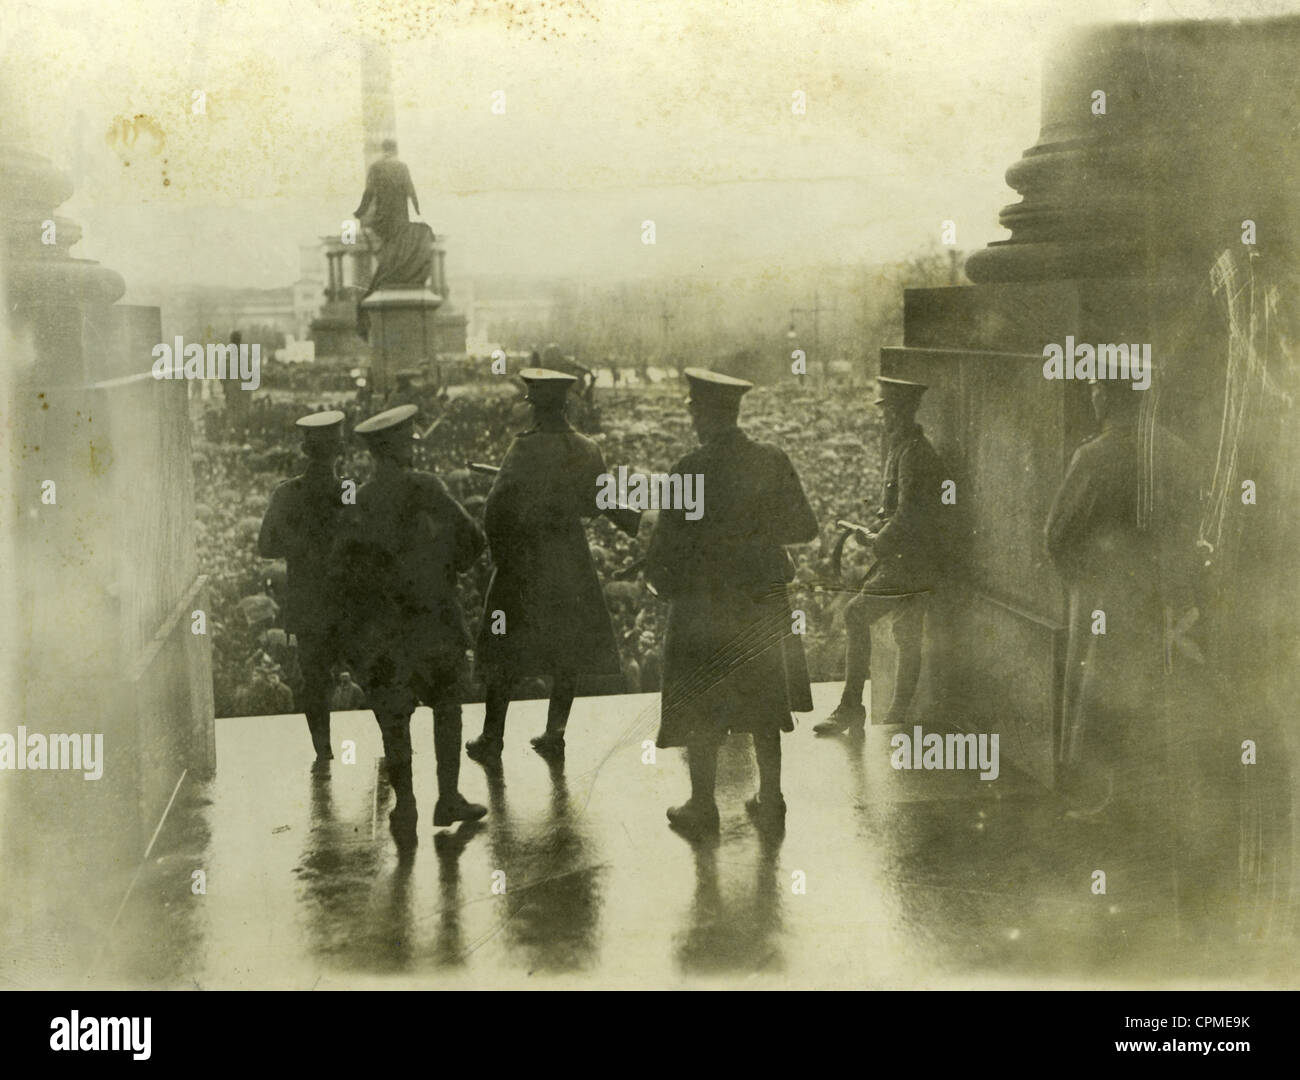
(318, 723)
(698, 816)
(908, 627)
(767, 808)
(403, 818)
(395, 730)
(847, 716)
(452, 806)
(694, 819)
(486, 749)
(551, 743)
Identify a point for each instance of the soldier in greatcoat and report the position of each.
(300, 526)
(544, 613)
(1120, 533)
(731, 660)
(401, 551)
(907, 541)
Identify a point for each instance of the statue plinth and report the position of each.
(1194, 136)
(1130, 230)
(403, 331)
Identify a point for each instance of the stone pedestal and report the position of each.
(99, 613)
(335, 333)
(403, 332)
(1131, 230)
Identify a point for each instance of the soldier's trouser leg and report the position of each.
(447, 731)
(767, 751)
(702, 760)
(858, 619)
(497, 701)
(315, 657)
(318, 724)
(862, 611)
(440, 687)
(564, 689)
(909, 625)
(395, 729)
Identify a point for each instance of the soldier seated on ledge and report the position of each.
(908, 555)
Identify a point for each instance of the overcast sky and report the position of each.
(616, 112)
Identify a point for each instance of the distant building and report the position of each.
(492, 322)
(503, 311)
(341, 272)
(209, 313)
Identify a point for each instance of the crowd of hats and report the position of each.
(831, 436)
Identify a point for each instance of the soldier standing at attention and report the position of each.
(545, 611)
(399, 558)
(731, 662)
(908, 550)
(300, 526)
(1139, 576)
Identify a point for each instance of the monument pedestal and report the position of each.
(336, 337)
(403, 331)
(1163, 218)
(105, 574)
(995, 637)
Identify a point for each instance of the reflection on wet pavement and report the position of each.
(883, 877)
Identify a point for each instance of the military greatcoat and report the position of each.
(544, 581)
(397, 563)
(1130, 574)
(300, 526)
(731, 661)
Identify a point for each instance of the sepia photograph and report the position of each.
(580, 495)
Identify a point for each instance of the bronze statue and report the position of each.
(405, 256)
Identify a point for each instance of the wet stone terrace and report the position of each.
(883, 878)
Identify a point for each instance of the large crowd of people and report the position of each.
(831, 435)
